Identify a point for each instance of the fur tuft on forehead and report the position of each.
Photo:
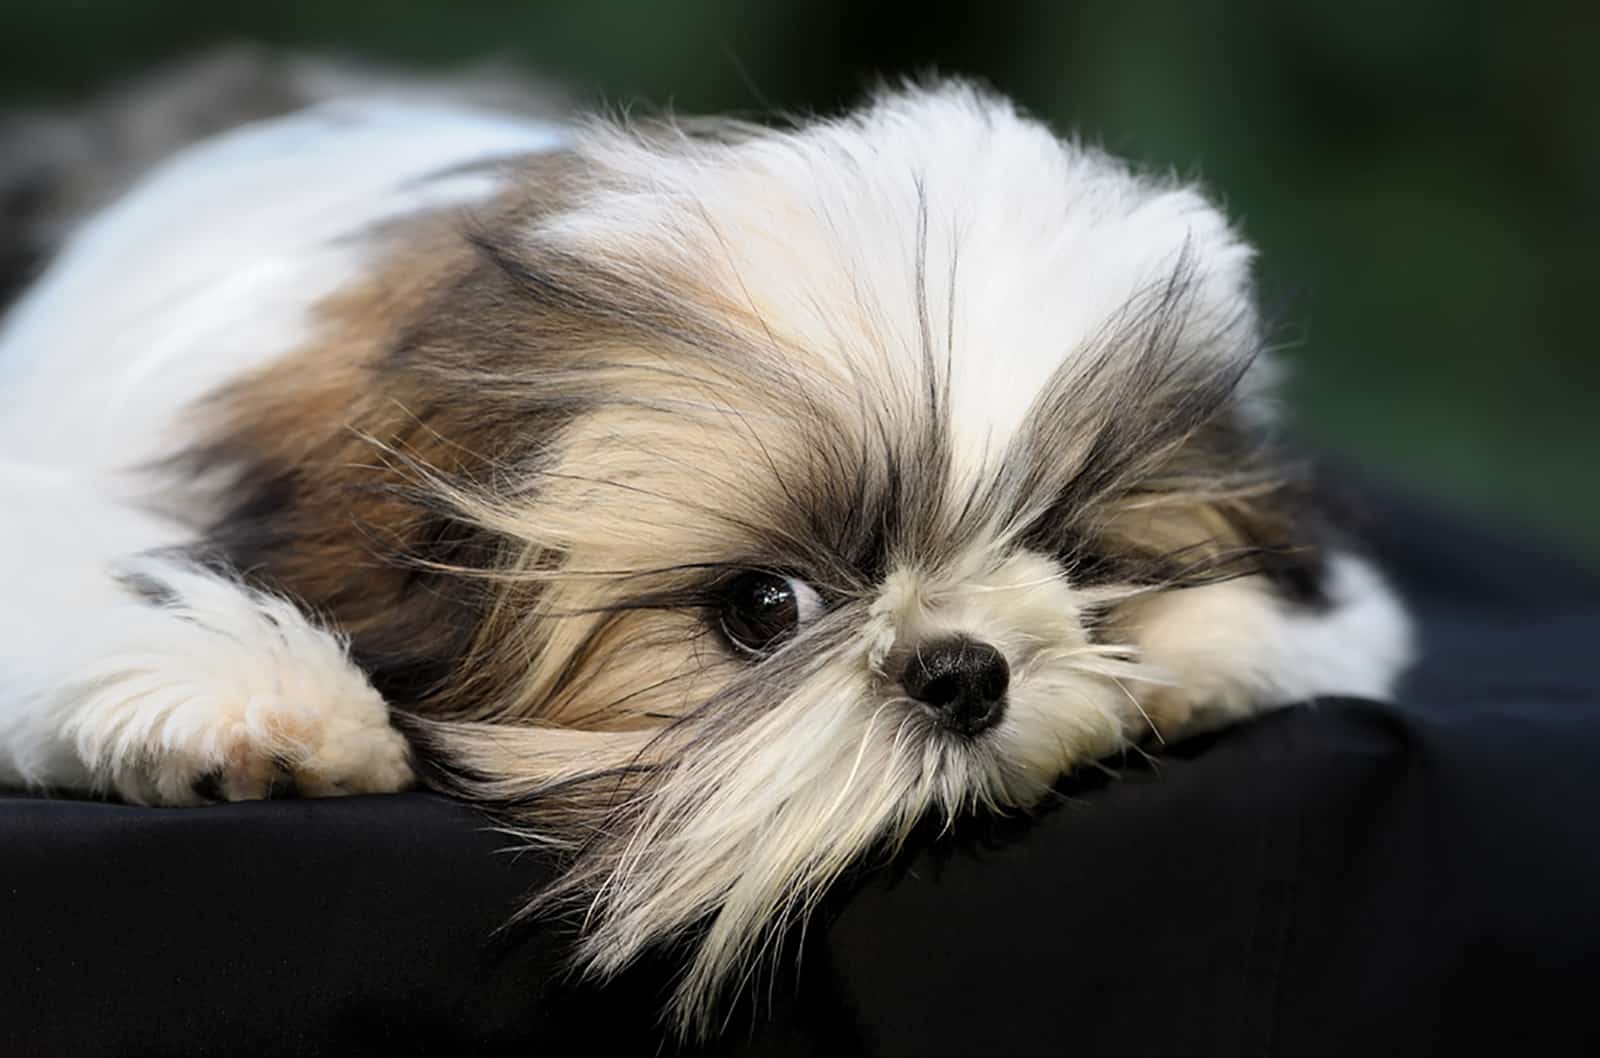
(935, 225)
(957, 375)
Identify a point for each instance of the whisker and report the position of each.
(1134, 701)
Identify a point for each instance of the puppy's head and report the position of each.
(823, 478)
(875, 436)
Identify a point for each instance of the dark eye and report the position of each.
(759, 609)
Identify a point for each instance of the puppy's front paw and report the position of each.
(275, 748)
(223, 693)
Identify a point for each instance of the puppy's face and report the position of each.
(877, 442)
(822, 479)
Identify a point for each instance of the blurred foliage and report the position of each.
(1423, 178)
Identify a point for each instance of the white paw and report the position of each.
(221, 692)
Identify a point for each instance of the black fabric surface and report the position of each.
(1350, 878)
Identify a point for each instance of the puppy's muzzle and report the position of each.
(962, 680)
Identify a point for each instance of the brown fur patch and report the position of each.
(312, 460)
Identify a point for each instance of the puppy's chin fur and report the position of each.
(960, 377)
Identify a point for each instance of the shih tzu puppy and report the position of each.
(712, 501)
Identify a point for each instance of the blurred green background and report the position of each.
(1423, 178)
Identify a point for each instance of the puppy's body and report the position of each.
(170, 295)
(714, 501)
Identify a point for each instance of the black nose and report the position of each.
(962, 679)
